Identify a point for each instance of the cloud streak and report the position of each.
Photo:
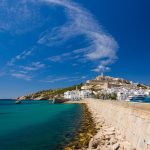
(26, 72)
(20, 56)
(64, 78)
(19, 16)
(100, 50)
(22, 76)
(102, 45)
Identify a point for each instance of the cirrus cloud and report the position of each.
(100, 48)
(81, 22)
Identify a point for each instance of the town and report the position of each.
(106, 87)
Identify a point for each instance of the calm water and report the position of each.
(38, 125)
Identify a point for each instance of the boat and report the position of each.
(127, 100)
(59, 100)
(130, 98)
(140, 97)
(18, 102)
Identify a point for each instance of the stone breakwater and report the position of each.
(107, 137)
(95, 133)
(120, 125)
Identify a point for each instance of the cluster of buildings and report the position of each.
(78, 94)
(124, 93)
(108, 85)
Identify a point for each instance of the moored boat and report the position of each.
(18, 102)
(140, 97)
(130, 98)
(59, 100)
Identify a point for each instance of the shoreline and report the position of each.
(106, 137)
(86, 131)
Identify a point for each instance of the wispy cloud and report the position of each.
(57, 58)
(20, 56)
(64, 78)
(21, 76)
(19, 17)
(24, 54)
(38, 65)
(62, 57)
(34, 66)
(26, 72)
(102, 45)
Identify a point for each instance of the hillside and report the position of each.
(49, 94)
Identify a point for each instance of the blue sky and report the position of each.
(56, 43)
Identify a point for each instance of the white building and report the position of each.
(86, 94)
(73, 95)
(67, 95)
(122, 96)
(76, 95)
(147, 92)
(123, 93)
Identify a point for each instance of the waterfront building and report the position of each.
(78, 95)
(86, 94)
(67, 95)
(73, 95)
(147, 92)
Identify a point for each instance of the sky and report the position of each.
(46, 44)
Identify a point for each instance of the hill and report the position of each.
(49, 94)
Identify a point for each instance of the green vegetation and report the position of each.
(113, 96)
(51, 93)
(142, 86)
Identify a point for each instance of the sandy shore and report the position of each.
(107, 136)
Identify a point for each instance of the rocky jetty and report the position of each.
(104, 136)
(107, 137)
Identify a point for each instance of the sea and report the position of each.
(38, 125)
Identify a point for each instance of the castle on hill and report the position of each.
(105, 82)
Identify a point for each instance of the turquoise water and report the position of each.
(38, 125)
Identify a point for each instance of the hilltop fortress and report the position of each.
(106, 82)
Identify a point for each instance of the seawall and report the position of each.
(132, 120)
